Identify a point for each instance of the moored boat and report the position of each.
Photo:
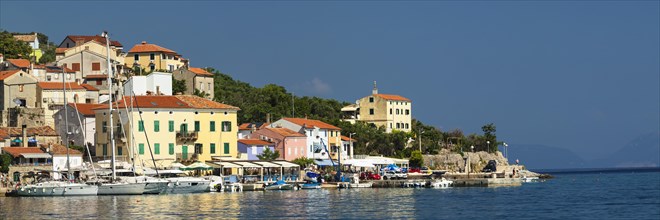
(279, 185)
(57, 188)
(442, 183)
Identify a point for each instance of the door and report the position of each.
(184, 152)
(184, 129)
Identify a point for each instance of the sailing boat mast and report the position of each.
(66, 128)
(111, 138)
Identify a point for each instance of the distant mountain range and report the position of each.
(643, 151)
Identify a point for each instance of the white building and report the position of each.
(59, 158)
(156, 83)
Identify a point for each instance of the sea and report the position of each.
(581, 194)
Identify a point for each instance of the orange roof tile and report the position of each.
(60, 50)
(286, 132)
(3, 134)
(59, 86)
(145, 47)
(20, 63)
(244, 126)
(96, 76)
(311, 123)
(30, 131)
(89, 87)
(8, 73)
(97, 38)
(200, 71)
(254, 142)
(87, 109)
(152, 102)
(199, 102)
(58, 149)
(344, 138)
(393, 97)
(17, 151)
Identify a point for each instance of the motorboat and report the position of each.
(310, 185)
(180, 183)
(442, 183)
(526, 179)
(279, 185)
(360, 185)
(57, 188)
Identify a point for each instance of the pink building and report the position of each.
(289, 143)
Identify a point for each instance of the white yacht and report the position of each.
(121, 188)
(57, 188)
(180, 183)
(442, 183)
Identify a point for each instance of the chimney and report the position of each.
(143, 42)
(2, 58)
(375, 90)
(24, 135)
(268, 118)
(253, 127)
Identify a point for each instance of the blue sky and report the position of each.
(581, 75)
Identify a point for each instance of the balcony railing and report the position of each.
(186, 156)
(186, 135)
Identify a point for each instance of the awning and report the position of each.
(324, 162)
(286, 164)
(246, 164)
(266, 164)
(36, 155)
(227, 165)
(359, 163)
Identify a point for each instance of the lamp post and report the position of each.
(488, 145)
(506, 150)
(472, 147)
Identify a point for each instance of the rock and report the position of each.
(455, 162)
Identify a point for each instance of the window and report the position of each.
(152, 56)
(390, 125)
(397, 111)
(226, 148)
(171, 149)
(171, 126)
(197, 126)
(75, 66)
(209, 84)
(105, 149)
(156, 148)
(201, 86)
(371, 111)
(20, 88)
(104, 126)
(96, 66)
(407, 125)
(398, 126)
(407, 111)
(141, 149)
(140, 125)
(212, 148)
(212, 125)
(390, 111)
(371, 99)
(99, 82)
(152, 67)
(119, 151)
(156, 126)
(136, 57)
(198, 148)
(226, 126)
(254, 150)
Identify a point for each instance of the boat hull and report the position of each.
(188, 185)
(279, 187)
(121, 189)
(58, 190)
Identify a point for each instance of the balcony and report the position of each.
(186, 136)
(186, 157)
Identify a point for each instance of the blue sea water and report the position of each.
(590, 195)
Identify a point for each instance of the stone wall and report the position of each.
(455, 162)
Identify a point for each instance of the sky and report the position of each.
(579, 75)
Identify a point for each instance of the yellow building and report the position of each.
(394, 112)
(180, 128)
(151, 57)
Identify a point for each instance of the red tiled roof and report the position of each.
(145, 47)
(57, 149)
(59, 86)
(344, 138)
(17, 151)
(89, 87)
(30, 131)
(199, 102)
(200, 71)
(286, 132)
(96, 76)
(60, 50)
(8, 73)
(152, 102)
(26, 37)
(87, 109)
(244, 126)
(20, 63)
(97, 38)
(392, 97)
(311, 123)
(254, 142)
(3, 134)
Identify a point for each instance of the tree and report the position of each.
(178, 86)
(10, 48)
(5, 161)
(489, 135)
(201, 93)
(304, 162)
(268, 155)
(416, 159)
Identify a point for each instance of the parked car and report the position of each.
(369, 176)
(415, 170)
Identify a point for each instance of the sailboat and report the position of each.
(115, 187)
(55, 187)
